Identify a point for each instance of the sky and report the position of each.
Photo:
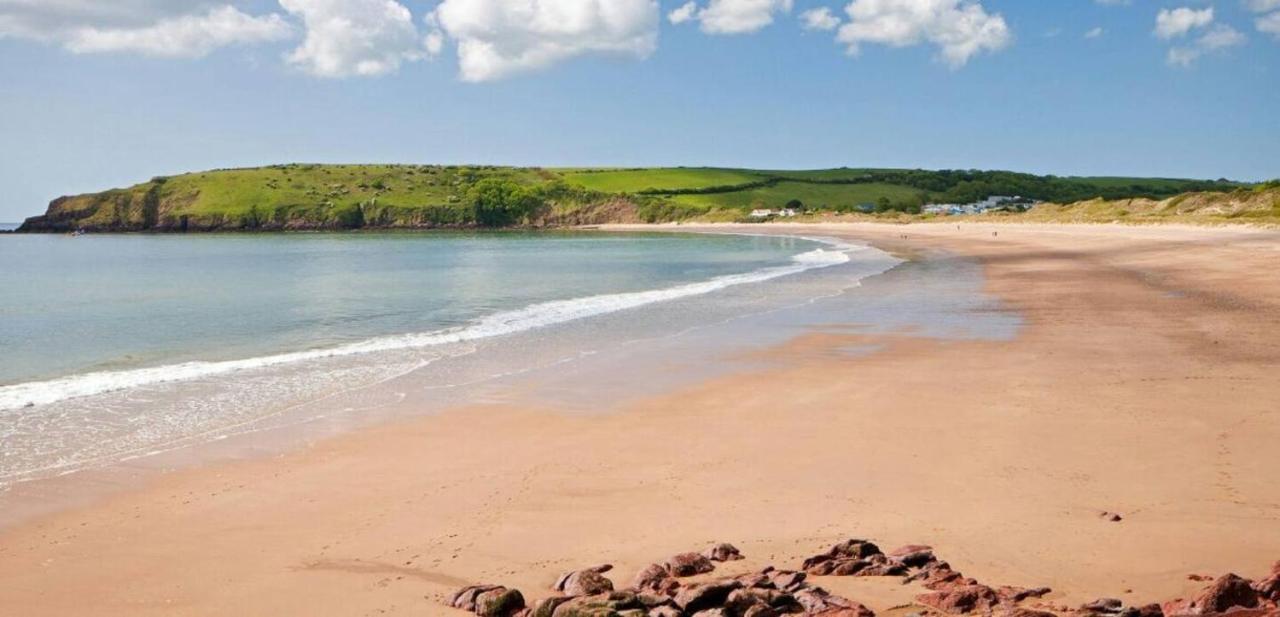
(97, 94)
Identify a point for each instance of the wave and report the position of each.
(539, 315)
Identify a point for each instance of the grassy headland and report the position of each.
(307, 196)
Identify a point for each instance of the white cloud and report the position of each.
(151, 27)
(1269, 24)
(497, 38)
(1263, 6)
(355, 37)
(1178, 22)
(1094, 33)
(740, 16)
(819, 19)
(1217, 38)
(959, 29)
(683, 13)
(187, 36)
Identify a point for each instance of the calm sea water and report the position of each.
(119, 302)
(115, 345)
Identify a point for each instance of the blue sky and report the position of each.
(91, 98)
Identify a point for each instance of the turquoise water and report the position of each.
(118, 302)
(117, 347)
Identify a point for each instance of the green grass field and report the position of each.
(311, 196)
(665, 178)
(815, 196)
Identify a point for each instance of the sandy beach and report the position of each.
(1143, 382)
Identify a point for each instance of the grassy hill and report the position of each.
(305, 196)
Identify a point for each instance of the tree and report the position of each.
(501, 203)
(795, 204)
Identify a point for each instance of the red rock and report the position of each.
(546, 607)
(786, 580)
(962, 599)
(1103, 605)
(817, 601)
(1018, 594)
(1269, 588)
(1025, 612)
(689, 564)
(664, 611)
(913, 555)
(465, 598)
(723, 552)
(1227, 592)
(1150, 610)
(586, 582)
(499, 602)
(655, 578)
(699, 596)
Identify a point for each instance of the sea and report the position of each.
(115, 347)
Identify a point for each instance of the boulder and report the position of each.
(546, 607)
(1269, 587)
(1149, 610)
(499, 602)
(817, 601)
(700, 596)
(655, 578)
(465, 598)
(1229, 591)
(723, 552)
(613, 604)
(688, 564)
(1103, 605)
(587, 582)
(913, 555)
(845, 551)
(962, 599)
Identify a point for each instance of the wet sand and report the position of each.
(1143, 382)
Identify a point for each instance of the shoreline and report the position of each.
(917, 427)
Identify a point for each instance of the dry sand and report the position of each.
(1144, 383)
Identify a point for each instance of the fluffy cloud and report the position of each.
(740, 16)
(497, 38)
(151, 27)
(1094, 33)
(1269, 24)
(683, 13)
(187, 36)
(959, 29)
(819, 19)
(1216, 38)
(355, 37)
(1178, 22)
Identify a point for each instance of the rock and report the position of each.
(655, 578)
(817, 601)
(499, 602)
(847, 550)
(688, 564)
(613, 604)
(1269, 587)
(786, 580)
(1017, 611)
(587, 582)
(699, 596)
(1103, 605)
(1018, 594)
(913, 555)
(713, 612)
(1110, 516)
(465, 598)
(1150, 610)
(962, 599)
(1229, 591)
(546, 607)
(723, 552)
(664, 611)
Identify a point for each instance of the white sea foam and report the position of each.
(540, 315)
